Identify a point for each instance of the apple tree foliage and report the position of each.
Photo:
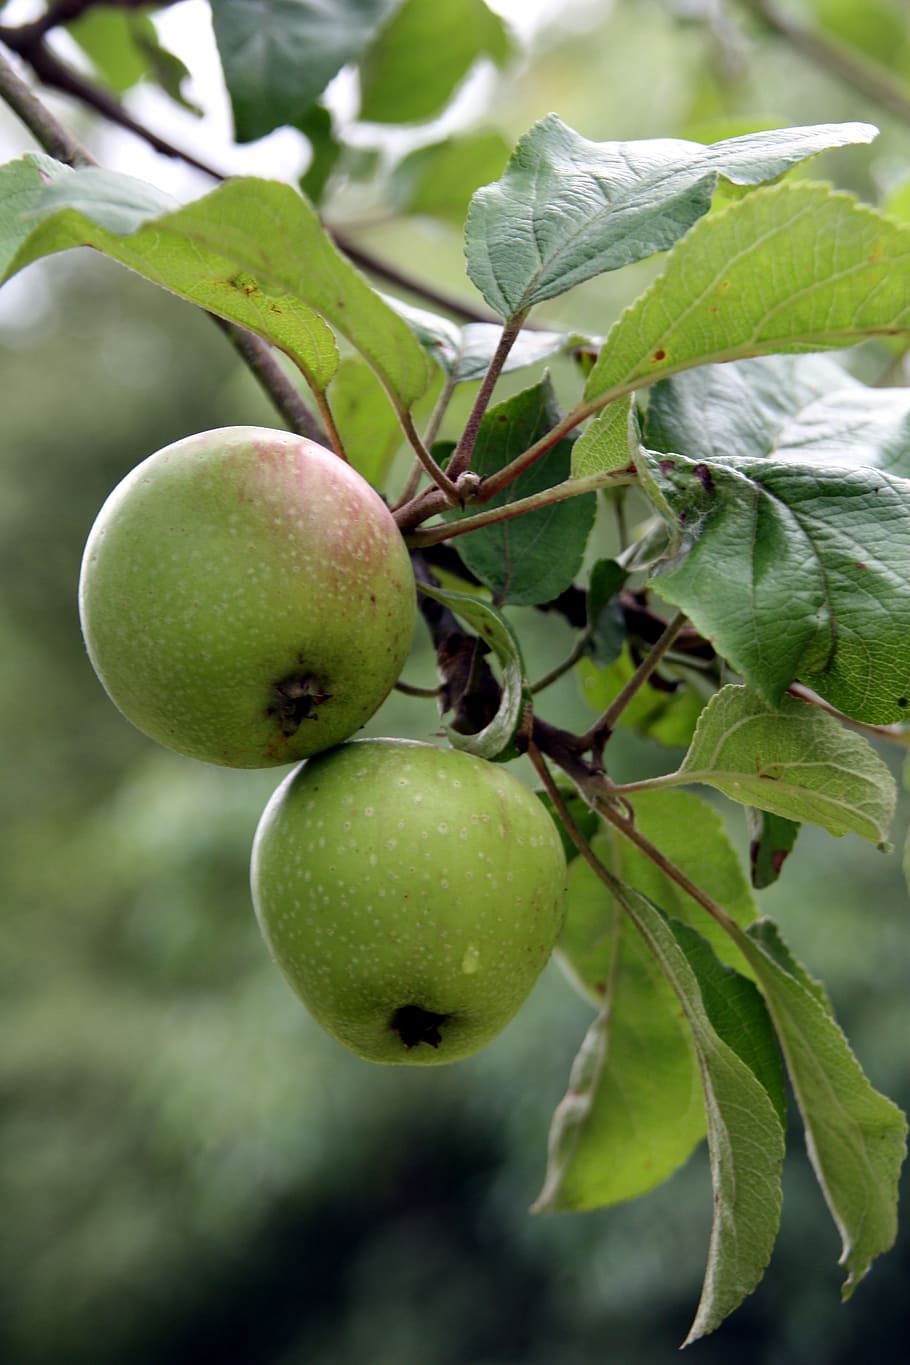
(754, 614)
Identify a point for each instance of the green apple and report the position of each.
(246, 597)
(411, 896)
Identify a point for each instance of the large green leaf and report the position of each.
(534, 557)
(738, 1014)
(412, 69)
(252, 251)
(739, 408)
(794, 571)
(567, 209)
(791, 407)
(794, 760)
(745, 1134)
(855, 1136)
(278, 55)
(630, 1116)
(632, 1112)
(787, 268)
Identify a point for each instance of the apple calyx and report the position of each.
(415, 1025)
(296, 698)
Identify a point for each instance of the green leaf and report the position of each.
(789, 268)
(896, 202)
(163, 67)
(278, 55)
(494, 741)
(464, 353)
(794, 571)
(252, 251)
(22, 183)
(534, 557)
(567, 209)
(855, 1136)
(738, 1014)
(366, 420)
(795, 760)
(632, 1113)
(667, 713)
(604, 445)
(439, 180)
(630, 1116)
(424, 52)
(124, 49)
(771, 840)
(105, 35)
(606, 622)
(788, 407)
(745, 1138)
(738, 408)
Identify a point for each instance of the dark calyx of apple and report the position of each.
(295, 699)
(415, 1025)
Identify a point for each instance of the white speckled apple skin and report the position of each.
(226, 563)
(389, 873)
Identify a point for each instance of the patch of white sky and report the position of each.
(186, 30)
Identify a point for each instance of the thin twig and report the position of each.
(600, 731)
(410, 690)
(571, 488)
(627, 827)
(437, 298)
(464, 451)
(47, 131)
(58, 75)
(436, 472)
(567, 664)
(824, 52)
(503, 477)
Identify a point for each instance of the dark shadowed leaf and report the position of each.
(771, 840)
(813, 557)
(804, 408)
(534, 557)
(278, 55)
(494, 741)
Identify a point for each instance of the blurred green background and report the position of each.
(187, 1166)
